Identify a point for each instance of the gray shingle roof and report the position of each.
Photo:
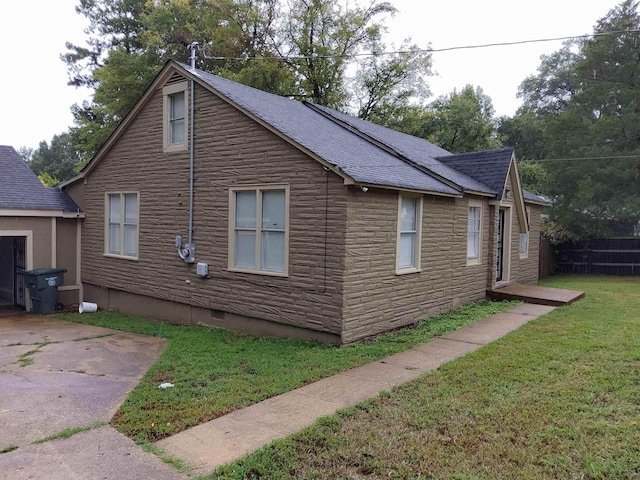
(356, 157)
(532, 197)
(20, 188)
(412, 148)
(489, 167)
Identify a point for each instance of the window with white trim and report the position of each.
(524, 238)
(122, 215)
(409, 234)
(175, 116)
(258, 234)
(474, 233)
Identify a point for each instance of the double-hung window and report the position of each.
(122, 225)
(409, 234)
(175, 116)
(524, 238)
(259, 232)
(474, 233)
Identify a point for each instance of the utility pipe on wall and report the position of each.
(194, 48)
(188, 252)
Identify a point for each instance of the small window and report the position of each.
(524, 244)
(175, 125)
(176, 118)
(474, 233)
(524, 237)
(122, 225)
(258, 236)
(409, 234)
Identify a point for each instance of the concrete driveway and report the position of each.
(56, 375)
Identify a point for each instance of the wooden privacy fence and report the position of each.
(606, 256)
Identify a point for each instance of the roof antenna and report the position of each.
(193, 48)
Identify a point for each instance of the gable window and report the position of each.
(122, 225)
(258, 234)
(524, 239)
(175, 116)
(474, 233)
(409, 234)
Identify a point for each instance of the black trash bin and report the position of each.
(43, 286)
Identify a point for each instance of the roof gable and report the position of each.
(489, 167)
(20, 188)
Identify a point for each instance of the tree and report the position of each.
(56, 161)
(385, 85)
(112, 24)
(461, 121)
(301, 51)
(595, 119)
(323, 34)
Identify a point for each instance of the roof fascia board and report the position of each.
(480, 194)
(535, 202)
(408, 190)
(517, 194)
(18, 212)
(384, 147)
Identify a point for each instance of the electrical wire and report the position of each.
(423, 50)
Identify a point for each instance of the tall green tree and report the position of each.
(386, 85)
(594, 116)
(316, 39)
(55, 161)
(461, 121)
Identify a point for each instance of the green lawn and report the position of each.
(558, 398)
(216, 371)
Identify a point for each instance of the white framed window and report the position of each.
(409, 235)
(524, 238)
(122, 224)
(259, 229)
(474, 233)
(175, 115)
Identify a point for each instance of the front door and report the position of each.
(500, 247)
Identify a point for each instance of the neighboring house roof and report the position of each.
(20, 188)
(362, 152)
(533, 198)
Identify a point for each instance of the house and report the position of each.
(39, 228)
(218, 204)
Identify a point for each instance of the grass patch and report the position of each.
(69, 432)
(26, 358)
(557, 398)
(175, 462)
(216, 371)
(8, 449)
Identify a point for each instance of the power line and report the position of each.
(611, 157)
(425, 50)
(489, 161)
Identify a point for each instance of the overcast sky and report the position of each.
(33, 33)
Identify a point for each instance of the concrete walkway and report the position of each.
(57, 375)
(228, 438)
